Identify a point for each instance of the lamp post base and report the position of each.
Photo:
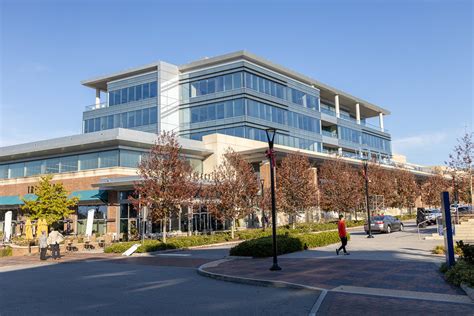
(370, 236)
(275, 267)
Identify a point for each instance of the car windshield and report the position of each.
(378, 218)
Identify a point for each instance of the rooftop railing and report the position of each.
(96, 106)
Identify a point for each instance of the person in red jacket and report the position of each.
(341, 227)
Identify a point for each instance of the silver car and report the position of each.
(384, 224)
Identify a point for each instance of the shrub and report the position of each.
(467, 251)
(6, 252)
(262, 247)
(461, 272)
(439, 250)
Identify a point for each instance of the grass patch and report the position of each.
(439, 250)
(6, 252)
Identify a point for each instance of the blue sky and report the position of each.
(412, 57)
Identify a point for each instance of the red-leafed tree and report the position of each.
(431, 190)
(461, 168)
(233, 192)
(382, 184)
(340, 186)
(406, 189)
(296, 186)
(166, 180)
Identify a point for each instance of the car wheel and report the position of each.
(401, 227)
(389, 229)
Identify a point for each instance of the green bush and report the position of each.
(467, 251)
(6, 252)
(461, 272)
(262, 247)
(406, 217)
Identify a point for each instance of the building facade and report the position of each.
(211, 104)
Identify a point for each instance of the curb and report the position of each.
(145, 254)
(259, 282)
(469, 291)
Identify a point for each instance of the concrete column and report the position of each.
(336, 102)
(339, 151)
(381, 121)
(97, 98)
(358, 113)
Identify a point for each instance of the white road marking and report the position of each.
(424, 296)
(318, 303)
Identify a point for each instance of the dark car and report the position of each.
(384, 224)
(427, 216)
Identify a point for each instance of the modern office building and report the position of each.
(212, 103)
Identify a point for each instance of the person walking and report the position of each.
(341, 227)
(54, 239)
(43, 244)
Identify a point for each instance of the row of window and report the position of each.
(216, 84)
(234, 81)
(135, 93)
(357, 137)
(104, 159)
(129, 119)
(260, 135)
(239, 107)
(216, 111)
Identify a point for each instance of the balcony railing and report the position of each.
(328, 111)
(96, 106)
(376, 127)
(329, 134)
(347, 118)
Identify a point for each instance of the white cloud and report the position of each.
(424, 140)
(34, 67)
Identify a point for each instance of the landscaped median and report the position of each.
(305, 234)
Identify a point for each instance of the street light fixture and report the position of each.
(271, 132)
(366, 176)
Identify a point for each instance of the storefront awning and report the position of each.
(86, 195)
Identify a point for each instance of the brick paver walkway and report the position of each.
(331, 273)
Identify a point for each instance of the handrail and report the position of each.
(418, 226)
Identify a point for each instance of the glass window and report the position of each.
(131, 119)
(110, 121)
(138, 92)
(202, 87)
(146, 90)
(202, 114)
(33, 167)
(153, 89)
(211, 112)
(124, 93)
(97, 124)
(111, 98)
(108, 159)
(52, 165)
(239, 107)
(220, 111)
(103, 123)
(123, 120)
(195, 115)
(3, 171)
(194, 89)
(68, 164)
(153, 115)
(131, 94)
(227, 82)
(89, 161)
(219, 84)
(117, 97)
(146, 116)
(138, 118)
(229, 110)
(237, 78)
(211, 86)
(129, 158)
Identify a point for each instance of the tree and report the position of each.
(233, 192)
(52, 202)
(166, 180)
(296, 187)
(431, 190)
(406, 189)
(461, 167)
(340, 186)
(381, 183)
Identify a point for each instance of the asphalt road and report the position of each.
(111, 287)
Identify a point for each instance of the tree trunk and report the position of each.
(293, 219)
(164, 231)
(232, 228)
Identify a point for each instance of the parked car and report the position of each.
(427, 216)
(465, 209)
(384, 224)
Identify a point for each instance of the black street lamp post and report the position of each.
(271, 132)
(366, 176)
(262, 196)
